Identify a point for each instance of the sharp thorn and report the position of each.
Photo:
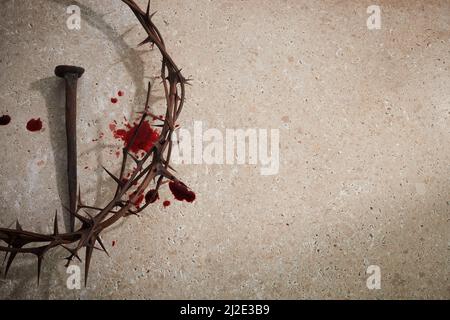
(87, 263)
(147, 12)
(149, 17)
(11, 258)
(55, 224)
(147, 40)
(99, 240)
(112, 176)
(133, 157)
(80, 217)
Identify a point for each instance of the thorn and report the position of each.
(133, 157)
(149, 39)
(113, 176)
(6, 257)
(11, 257)
(99, 240)
(149, 17)
(171, 168)
(73, 254)
(163, 171)
(39, 267)
(147, 12)
(18, 226)
(80, 217)
(89, 250)
(55, 225)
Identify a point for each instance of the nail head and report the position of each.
(62, 71)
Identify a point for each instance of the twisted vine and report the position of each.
(153, 168)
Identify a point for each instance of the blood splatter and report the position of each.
(121, 93)
(114, 100)
(181, 192)
(145, 138)
(137, 203)
(161, 117)
(34, 125)
(5, 120)
(151, 196)
(166, 204)
(114, 243)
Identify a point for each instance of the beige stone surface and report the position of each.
(364, 120)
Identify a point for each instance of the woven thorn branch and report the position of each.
(152, 171)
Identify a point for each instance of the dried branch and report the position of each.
(150, 173)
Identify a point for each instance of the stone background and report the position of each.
(364, 119)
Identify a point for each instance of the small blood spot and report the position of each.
(114, 100)
(121, 93)
(5, 120)
(166, 203)
(137, 203)
(34, 125)
(114, 243)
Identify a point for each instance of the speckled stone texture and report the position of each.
(364, 119)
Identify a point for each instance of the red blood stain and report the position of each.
(181, 192)
(121, 93)
(5, 120)
(137, 203)
(151, 196)
(114, 100)
(34, 125)
(118, 154)
(101, 135)
(166, 203)
(161, 117)
(114, 243)
(145, 139)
